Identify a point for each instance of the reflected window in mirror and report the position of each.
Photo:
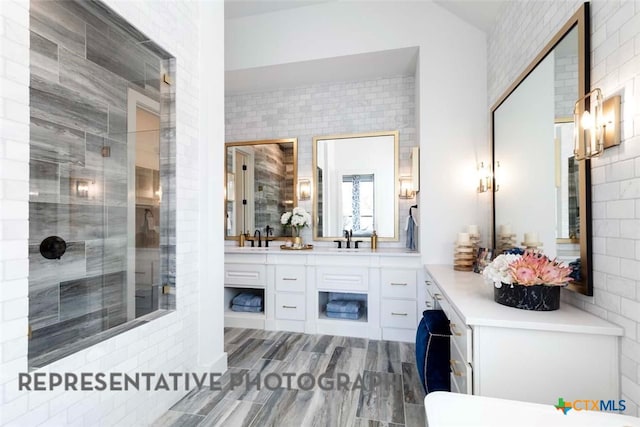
(358, 204)
(261, 185)
(541, 187)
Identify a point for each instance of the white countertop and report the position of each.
(473, 300)
(445, 409)
(274, 248)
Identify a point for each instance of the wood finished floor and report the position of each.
(251, 351)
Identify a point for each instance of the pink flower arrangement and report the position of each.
(528, 269)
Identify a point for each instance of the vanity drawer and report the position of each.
(291, 278)
(245, 274)
(290, 306)
(460, 333)
(399, 314)
(398, 283)
(343, 278)
(461, 373)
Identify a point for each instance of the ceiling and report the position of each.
(479, 13)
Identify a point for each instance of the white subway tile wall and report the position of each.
(328, 109)
(164, 345)
(522, 30)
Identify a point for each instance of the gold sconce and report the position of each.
(497, 177)
(406, 188)
(304, 189)
(485, 178)
(82, 188)
(596, 124)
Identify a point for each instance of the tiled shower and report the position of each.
(103, 189)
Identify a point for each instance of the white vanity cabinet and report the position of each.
(290, 304)
(398, 305)
(533, 356)
(298, 284)
(250, 275)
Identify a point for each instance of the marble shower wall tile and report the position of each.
(55, 103)
(43, 272)
(106, 255)
(44, 182)
(55, 23)
(69, 143)
(88, 295)
(43, 57)
(49, 338)
(117, 54)
(73, 223)
(44, 306)
(91, 80)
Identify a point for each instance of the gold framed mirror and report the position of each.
(356, 185)
(260, 185)
(539, 188)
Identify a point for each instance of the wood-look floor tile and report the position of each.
(248, 390)
(362, 422)
(346, 360)
(413, 391)
(232, 413)
(247, 355)
(383, 356)
(383, 401)
(306, 363)
(285, 408)
(388, 404)
(286, 347)
(177, 419)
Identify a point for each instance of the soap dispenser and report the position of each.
(374, 241)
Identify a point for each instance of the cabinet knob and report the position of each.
(428, 282)
(452, 363)
(290, 278)
(437, 297)
(399, 314)
(398, 284)
(289, 306)
(428, 304)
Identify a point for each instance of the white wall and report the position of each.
(359, 106)
(521, 32)
(189, 339)
(451, 81)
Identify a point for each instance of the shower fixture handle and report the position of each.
(53, 247)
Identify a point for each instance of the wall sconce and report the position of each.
(304, 189)
(596, 127)
(406, 188)
(485, 178)
(82, 188)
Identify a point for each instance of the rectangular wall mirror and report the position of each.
(260, 186)
(356, 185)
(540, 188)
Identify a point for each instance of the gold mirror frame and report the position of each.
(396, 186)
(580, 20)
(227, 175)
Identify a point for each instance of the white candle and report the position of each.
(530, 238)
(473, 230)
(505, 229)
(463, 238)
